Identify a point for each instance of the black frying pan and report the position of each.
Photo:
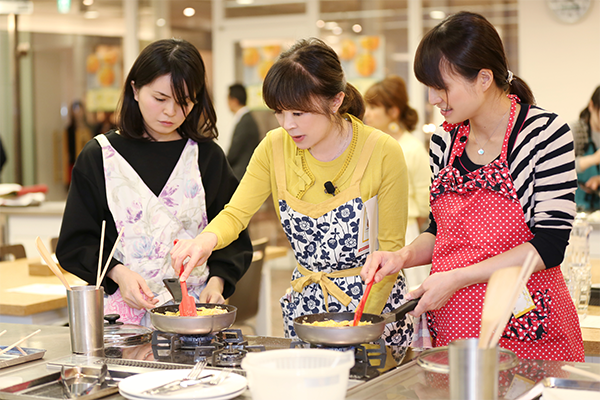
(348, 335)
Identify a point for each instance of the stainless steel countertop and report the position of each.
(409, 381)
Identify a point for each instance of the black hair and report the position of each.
(466, 43)
(238, 91)
(585, 113)
(307, 77)
(183, 61)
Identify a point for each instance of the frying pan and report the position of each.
(200, 325)
(348, 335)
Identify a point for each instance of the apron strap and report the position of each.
(327, 286)
(365, 155)
(279, 163)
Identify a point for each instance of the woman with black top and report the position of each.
(159, 177)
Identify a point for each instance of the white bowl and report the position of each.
(298, 374)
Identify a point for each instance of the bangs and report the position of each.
(288, 86)
(429, 62)
(372, 95)
(179, 85)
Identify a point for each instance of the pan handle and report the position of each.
(400, 312)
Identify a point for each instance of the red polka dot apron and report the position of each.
(479, 216)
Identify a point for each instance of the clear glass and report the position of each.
(578, 270)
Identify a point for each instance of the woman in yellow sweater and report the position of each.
(325, 168)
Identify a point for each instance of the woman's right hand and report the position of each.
(383, 263)
(134, 289)
(197, 250)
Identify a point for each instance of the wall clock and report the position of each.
(569, 11)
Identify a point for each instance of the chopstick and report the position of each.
(19, 341)
(526, 271)
(18, 348)
(581, 372)
(100, 253)
(109, 258)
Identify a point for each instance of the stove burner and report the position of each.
(228, 357)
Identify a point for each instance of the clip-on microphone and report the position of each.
(329, 188)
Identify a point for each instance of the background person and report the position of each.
(75, 136)
(245, 134)
(159, 177)
(503, 186)
(388, 110)
(586, 134)
(323, 167)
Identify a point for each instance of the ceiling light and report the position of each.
(88, 2)
(244, 2)
(161, 22)
(357, 28)
(330, 25)
(337, 30)
(320, 23)
(91, 14)
(189, 11)
(437, 14)
(429, 128)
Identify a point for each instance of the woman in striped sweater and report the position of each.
(494, 197)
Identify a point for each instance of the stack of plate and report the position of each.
(134, 386)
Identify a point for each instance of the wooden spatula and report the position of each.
(498, 295)
(187, 307)
(51, 264)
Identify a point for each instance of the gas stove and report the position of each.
(224, 349)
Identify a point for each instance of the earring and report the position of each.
(394, 127)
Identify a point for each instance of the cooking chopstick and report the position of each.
(100, 253)
(19, 341)
(581, 372)
(526, 271)
(18, 348)
(109, 258)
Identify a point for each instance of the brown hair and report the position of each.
(466, 43)
(306, 78)
(391, 92)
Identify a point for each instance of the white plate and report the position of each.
(133, 386)
(225, 397)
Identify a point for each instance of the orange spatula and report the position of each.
(187, 307)
(361, 305)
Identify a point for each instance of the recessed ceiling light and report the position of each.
(320, 23)
(88, 2)
(244, 2)
(189, 11)
(330, 24)
(337, 30)
(357, 28)
(160, 22)
(437, 14)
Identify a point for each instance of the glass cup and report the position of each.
(86, 320)
(577, 268)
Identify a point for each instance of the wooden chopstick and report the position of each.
(526, 271)
(100, 253)
(19, 341)
(18, 348)
(109, 258)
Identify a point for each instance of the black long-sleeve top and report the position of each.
(87, 205)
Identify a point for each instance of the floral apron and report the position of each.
(479, 216)
(325, 245)
(151, 223)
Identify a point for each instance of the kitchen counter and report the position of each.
(32, 299)
(406, 382)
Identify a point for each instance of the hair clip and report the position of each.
(510, 78)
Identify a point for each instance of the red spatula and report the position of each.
(187, 307)
(361, 306)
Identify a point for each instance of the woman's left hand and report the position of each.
(593, 183)
(213, 292)
(435, 291)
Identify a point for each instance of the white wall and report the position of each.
(559, 61)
